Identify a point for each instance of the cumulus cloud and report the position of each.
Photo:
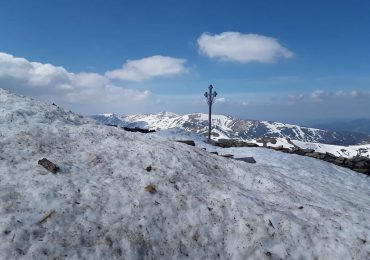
(84, 92)
(238, 47)
(147, 68)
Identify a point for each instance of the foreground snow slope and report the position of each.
(206, 206)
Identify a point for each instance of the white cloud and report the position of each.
(235, 46)
(220, 100)
(147, 68)
(84, 92)
(321, 95)
(295, 98)
(231, 102)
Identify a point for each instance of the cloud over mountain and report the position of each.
(82, 91)
(147, 68)
(243, 48)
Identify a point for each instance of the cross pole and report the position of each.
(210, 96)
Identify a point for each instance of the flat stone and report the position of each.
(188, 142)
(246, 159)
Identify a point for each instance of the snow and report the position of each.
(206, 206)
(227, 127)
(338, 150)
(107, 114)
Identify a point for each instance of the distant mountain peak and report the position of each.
(229, 127)
(107, 114)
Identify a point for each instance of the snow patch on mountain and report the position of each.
(226, 127)
(342, 151)
(109, 119)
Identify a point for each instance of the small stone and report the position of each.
(149, 168)
(150, 188)
(48, 165)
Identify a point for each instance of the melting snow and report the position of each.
(205, 206)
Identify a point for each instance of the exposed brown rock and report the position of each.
(48, 165)
(150, 188)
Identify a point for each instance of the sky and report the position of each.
(291, 61)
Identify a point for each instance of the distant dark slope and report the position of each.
(358, 126)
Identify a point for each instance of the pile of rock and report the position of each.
(188, 142)
(135, 129)
(266, 140)
(227, 143)
(358, 163)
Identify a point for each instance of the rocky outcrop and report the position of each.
(227, 143)
(358, 163)
(188, 142)
(137, 129)
(266, 140)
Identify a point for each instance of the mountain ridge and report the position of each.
(229, 127)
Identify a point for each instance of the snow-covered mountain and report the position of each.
(105, 202)
(226, 127)
(109, 119)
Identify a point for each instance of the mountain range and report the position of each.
(228, 127)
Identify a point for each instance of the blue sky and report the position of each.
(319, 66)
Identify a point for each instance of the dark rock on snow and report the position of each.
(48, 165)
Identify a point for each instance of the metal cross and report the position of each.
(210, 96)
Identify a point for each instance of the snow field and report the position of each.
(206, 206)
